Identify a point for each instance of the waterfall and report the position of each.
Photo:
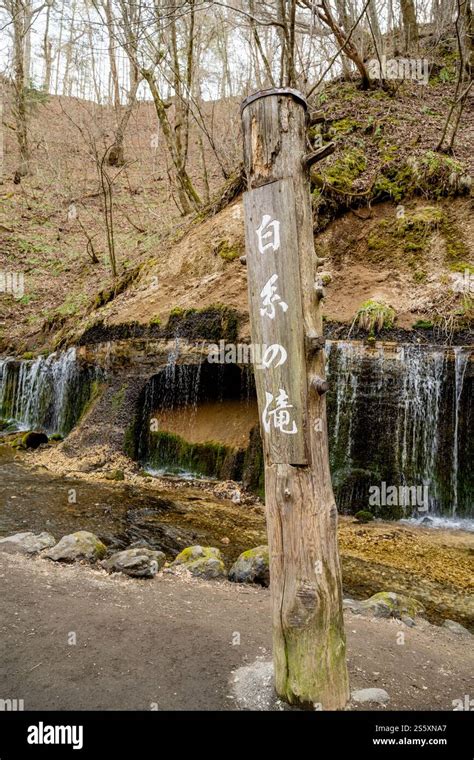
(48, 393)
(182, 386)
(460, 366)
(422, 378)
(400, 414)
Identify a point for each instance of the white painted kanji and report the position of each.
(270, 297)
(279, 416)
(268, 234)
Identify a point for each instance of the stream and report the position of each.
(434, 565)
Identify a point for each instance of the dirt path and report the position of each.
(170, 641)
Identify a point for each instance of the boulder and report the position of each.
(363, 516)
(389, 604)
(201, 561)
(80, 545)
(454, 627)
(380, 696)
(252, 567)
(353, 605)
(27, 543)
(34, 439)
(139, 562)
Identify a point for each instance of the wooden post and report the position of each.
(286, 322)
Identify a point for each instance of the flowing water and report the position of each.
(397, 415)
(48, 393)
(403, 415)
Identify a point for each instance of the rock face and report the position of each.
(252, 567)
(80, 545)
(201, 561)
(389, 604)
(27, 543)
(138, 563)
(454, 627)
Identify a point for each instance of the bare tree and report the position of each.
(157, 60)
(21, 14)
(345, 41)
(464, 31)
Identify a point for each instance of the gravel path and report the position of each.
(171, 643)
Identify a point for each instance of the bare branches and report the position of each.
(463, 29)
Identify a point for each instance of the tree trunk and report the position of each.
(1, 132)
(116, 156)
(189, 197)
(60, 42)
(90, 38)
(308, 630)
(467, 35)
(27, 12)
(47, 53)
(112, 60)
(375, 27)
(67, 82)
(347, 45)
(20, 89)
(409, 23)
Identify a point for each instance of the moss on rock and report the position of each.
(139, 562)
(213, 323)
(33, 439)
(115, 475)
(364, 516)
(390, 604)
(227, 251)
(252, 566)
(345, 170)
(77, 546)
(201, 561)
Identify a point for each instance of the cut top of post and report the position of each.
(289, 91)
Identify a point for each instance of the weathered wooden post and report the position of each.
(284, 297)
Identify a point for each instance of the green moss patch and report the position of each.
(432, 175)
(343, 172)
(211, 459)
(406, 238)
(227, 251)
